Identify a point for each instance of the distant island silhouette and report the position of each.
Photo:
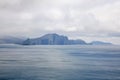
(55, 39)
(49, 39)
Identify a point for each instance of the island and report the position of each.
(56, 39)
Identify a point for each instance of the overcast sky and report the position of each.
(84, 19)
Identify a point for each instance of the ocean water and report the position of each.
(59, 62)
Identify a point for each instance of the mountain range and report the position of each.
(49, 39)
(55, 39)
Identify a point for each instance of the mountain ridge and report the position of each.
(56, 39)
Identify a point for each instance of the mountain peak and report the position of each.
(52, 34)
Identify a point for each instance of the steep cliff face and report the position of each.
(52, 39)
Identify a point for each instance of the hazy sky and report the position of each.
(85, 19)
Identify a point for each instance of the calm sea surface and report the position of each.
(59, 62)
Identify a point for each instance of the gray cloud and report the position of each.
(75, 18)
